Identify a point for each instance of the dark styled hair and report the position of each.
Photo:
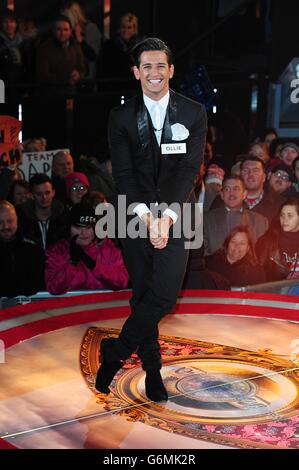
(292, 201)
(21, 183)
(252, 158)
(244, 229)
(150, 44)
(62, 18)
(39, 178)
(233, 177)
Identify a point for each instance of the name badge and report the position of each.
(173, 148)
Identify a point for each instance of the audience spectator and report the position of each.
(10, 173)
(77, 186)
(274, 151)
(10, 54)
(43, 219)
(260, 150)
(37, 144)
(29, 46)
(116, 51)
(86, 33)
(98, 175)
(214, 177)
(265, 202)
(268, 136)
(22, 260)
(205, 194)
(83, 262)
(93, 198)
(19, 192)
(62, 165)
(289, 151)
(280, 180)
(278, 248)
(295, 167)
(60, 60)
(219, 222)
(236, 261)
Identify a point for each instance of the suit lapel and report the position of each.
(170, 118)
(146, 134)
(143, 126)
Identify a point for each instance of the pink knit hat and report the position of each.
(74, 179)
(215, 174)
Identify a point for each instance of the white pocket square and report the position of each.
(179, 132)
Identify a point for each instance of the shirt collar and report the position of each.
(163, 102)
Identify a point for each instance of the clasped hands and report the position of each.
(158, 230)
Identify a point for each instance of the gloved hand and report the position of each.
(87, 260)
(75, 251)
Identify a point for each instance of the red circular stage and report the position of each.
(231, 369)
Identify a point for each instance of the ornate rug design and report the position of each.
(217, 393)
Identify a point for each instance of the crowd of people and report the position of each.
(73, 50)
(47, 225)
(250, 225)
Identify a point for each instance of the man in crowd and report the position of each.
(219, 222)
(60, 61)
(280, 180)
(43, 219)
(62, 166)
(22, 260)
(264, 201)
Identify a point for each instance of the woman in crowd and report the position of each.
(77, 186)
(83, 261)
(278, 248)
(236, 260)
(116, 51)
(260, 150)
(19, 192)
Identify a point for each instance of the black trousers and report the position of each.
(157, 277)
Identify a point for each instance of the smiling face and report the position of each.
(238, 247)
(233, 193)
(154, 74)
(288, 155)
(86, 234)
(8, 223)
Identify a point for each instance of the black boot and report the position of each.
(108, 369)
(154, 387)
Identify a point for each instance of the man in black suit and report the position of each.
(156, 154)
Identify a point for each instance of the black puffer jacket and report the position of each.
(241, 273)
(276, 250)
(21, 267)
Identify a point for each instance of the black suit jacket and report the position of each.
(140, 171)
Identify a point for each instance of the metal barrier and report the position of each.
(288, 287)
